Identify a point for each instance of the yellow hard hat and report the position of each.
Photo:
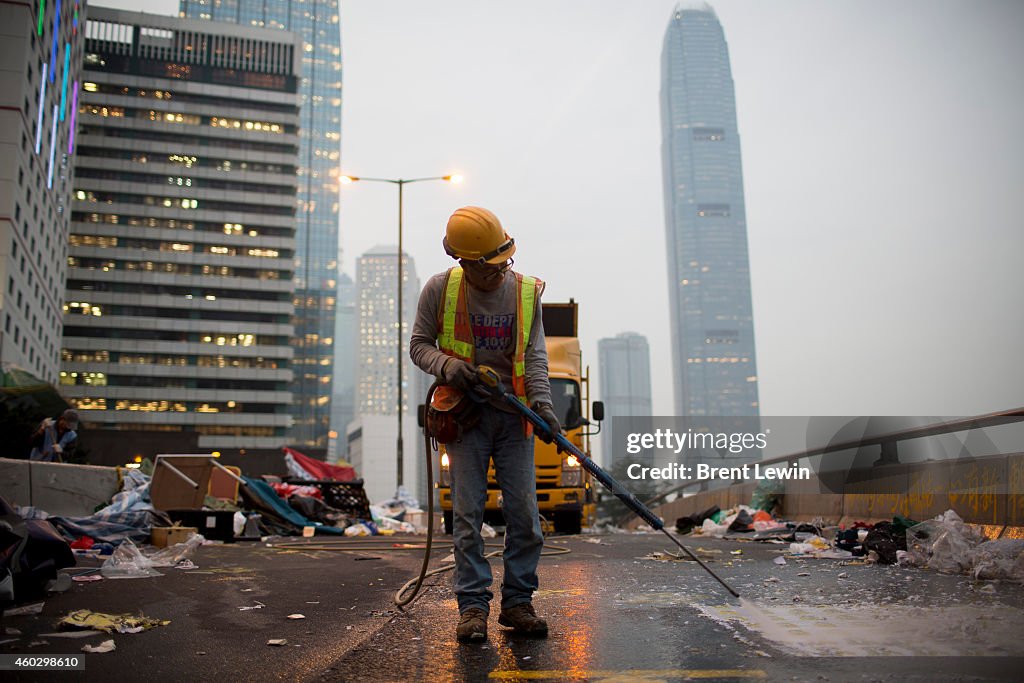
(475, 234)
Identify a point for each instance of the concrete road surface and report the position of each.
(620, 609)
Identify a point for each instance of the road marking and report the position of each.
(629, 674)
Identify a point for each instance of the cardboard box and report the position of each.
(164, 536)
(214, 525)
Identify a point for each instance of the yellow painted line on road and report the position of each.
(628, 674)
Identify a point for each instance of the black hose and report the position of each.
(399, 599)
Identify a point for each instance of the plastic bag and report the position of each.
(999, 559)
(709, 528)
(172, 555)
(128, 562)
(358, 530)
(944, 544)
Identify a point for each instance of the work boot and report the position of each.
(472, 626)
(524, 619)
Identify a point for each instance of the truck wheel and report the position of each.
(568, 522)
(447, 522)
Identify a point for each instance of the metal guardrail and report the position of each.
(966, 424)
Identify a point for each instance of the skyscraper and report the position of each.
(316, 255)
(715, 371)
(377, 312)
(372, 440)
(625, 370)
(180, 270)
(343, 402)
(39, 84)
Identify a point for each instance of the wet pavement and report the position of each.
(620, 609)
(617, 617)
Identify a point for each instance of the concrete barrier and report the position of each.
(60, 489)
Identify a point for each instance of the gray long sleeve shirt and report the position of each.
(492, 317)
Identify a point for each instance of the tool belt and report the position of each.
(450, 414)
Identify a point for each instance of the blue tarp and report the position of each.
(268, 496)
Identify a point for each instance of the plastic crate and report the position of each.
(347, 496)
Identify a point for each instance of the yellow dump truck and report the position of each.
(565, 491)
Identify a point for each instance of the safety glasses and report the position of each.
(502, 248)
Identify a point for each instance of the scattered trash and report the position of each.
(258, 605)
(735, 552)
(36, 608)
(296, 616)
(685, 525)
(82, 543)
(844, 575)
(987, 588)
(804, 574)
(186, 564)
(711, 528)
(128, 562)
(105, 646)
(11, 631)
(88, 578)
(779, 560)
(944, 544)
(71, 634)
(277, 642)
(178, 553)
(110, 623)
(487, 531)
(358, 530)
(37, 643)
(999, 559)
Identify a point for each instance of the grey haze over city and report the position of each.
(883, 163)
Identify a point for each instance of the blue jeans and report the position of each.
(499, 435)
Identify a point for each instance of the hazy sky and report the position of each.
(883, 163)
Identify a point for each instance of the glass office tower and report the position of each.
(180, 280)
(715, 373)
(316, 256)
(625, 371)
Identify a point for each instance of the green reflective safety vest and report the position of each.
(455, 336)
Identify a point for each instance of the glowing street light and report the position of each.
(401, 182)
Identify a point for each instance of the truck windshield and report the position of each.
(565, 395)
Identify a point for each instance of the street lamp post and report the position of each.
(401, 183)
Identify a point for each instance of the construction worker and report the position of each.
(483, 313)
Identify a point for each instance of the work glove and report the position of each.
(547, 413)
(459, 374)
